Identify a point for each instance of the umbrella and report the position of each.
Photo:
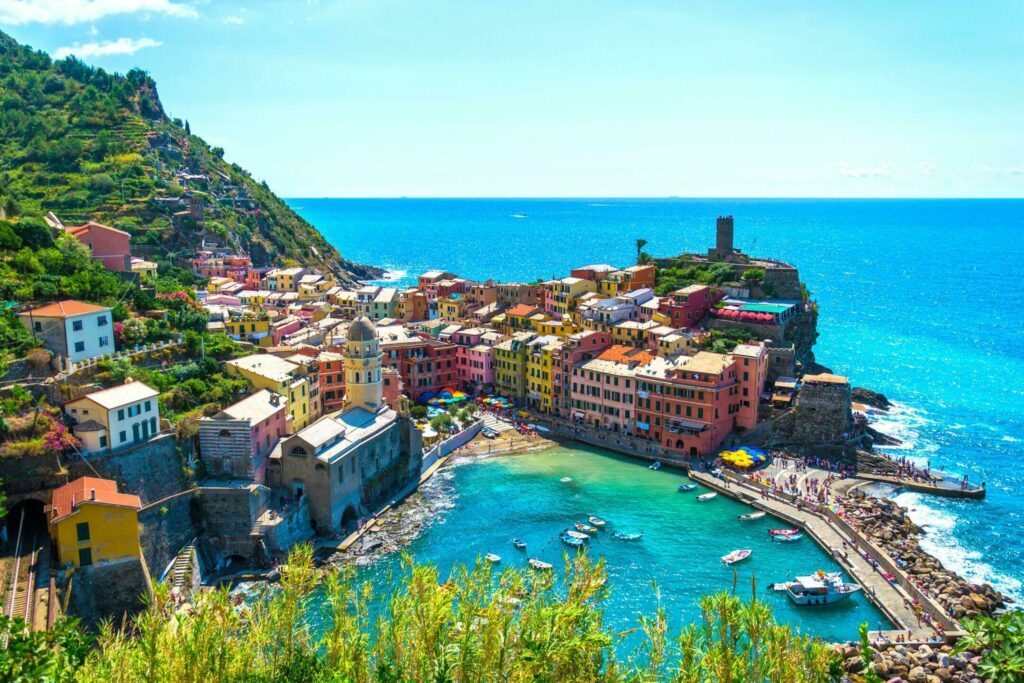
(427, 395)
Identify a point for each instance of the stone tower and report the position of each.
(723, 242)
(363, 386)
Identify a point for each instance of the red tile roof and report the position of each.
(67, 498)
(521, 310)
(620, 353)
(64, 309)
(77, 230)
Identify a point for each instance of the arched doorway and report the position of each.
(29, 517)
(349, 517)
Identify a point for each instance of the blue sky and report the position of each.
(360, 98)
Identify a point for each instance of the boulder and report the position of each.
(917, 675)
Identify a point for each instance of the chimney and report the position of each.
(275, 399)
(92, 494)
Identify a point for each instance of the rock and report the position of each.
(853, 665)
(917, 675)
(980, 603)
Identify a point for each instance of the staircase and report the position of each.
(181, 571)
(495, 424)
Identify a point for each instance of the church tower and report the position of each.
(363, 386)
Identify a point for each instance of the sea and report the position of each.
(921, 300)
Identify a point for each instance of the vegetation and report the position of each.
(53, 655)
(724, 341)
(1000, 639)
(476, 626)
(670, 279)
(753, 275)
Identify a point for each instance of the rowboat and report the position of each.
(783, 532)
(707, 496)
(596, 521)
(539, 564)
(752, 515)
(736, 556)
(627, 537)
(579, 535)
(683, 488)
(788, 538)
(571, 541)
(492, 558)
(585, 528)
(655, 466)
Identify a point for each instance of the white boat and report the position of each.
(655, 466)
(736, 556)
(788, 538)
(577, 535)
(753, 515)
(683, 488)
(540, 564)
(572, 541)
(628, 537)
(519, 543)
(565, 480)
(784, 532)
(492, 558)
(596, 521)
(820, 588)
(707, 496)
(585, 528)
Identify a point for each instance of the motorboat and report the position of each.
(596, 521)
(539, 564)
(788, 538)
(736, 556)
(753, 515)
(655, 465)
(820, 588)
(628, 537)
(683, 488)
(492, 558)
(519, 543)
(579, 535)
(706, 497)
(565, 480)
(572, 541)
(783, 532)
(585, 528)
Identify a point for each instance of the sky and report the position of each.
(487, 98)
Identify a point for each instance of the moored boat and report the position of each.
(539, 564)
(628, 537)
(519, 543)
(571, 541)
(783, 532)
(752, 515)
(577, 535)
(820, 588)
(707, 496)
(787, 538)
(596, 521)
(654, 466)
(736, 556)
(585, 528)
(565, 480)
(683, 488)
(492, 558)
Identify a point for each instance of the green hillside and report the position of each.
(90, 145)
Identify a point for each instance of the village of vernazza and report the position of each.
(537, 341)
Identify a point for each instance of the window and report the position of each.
(76, 325)
(79, 347)
(104, 341)
(101, 321)
(120, 414)
(148, 405)
(152, 425)
(84, 557)
(122, 437)
(103, 441)
(82, 529)
(298, 452)
(38, 327)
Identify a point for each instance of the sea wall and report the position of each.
(443, 448)
(166, 525)
(112, 590)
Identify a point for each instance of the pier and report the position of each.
(947, 488)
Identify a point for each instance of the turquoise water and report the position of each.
(485, 503)
(919, 299)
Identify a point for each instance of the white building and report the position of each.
(115, 418)
(74, 331)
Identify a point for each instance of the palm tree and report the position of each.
(640, 244)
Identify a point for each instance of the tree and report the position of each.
(1001, 641)
(640, 244)
(752, 275)
(34, 233)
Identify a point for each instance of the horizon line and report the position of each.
(649, 197)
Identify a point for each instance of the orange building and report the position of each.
(110, 246)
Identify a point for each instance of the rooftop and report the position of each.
(255, 408)
(266, 365)
(68, 497)
(122, 395)
(334, 436)
(64, 309)
(825, 378)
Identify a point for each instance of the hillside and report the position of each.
(91, 145)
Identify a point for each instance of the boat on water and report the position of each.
(539, 564)
(519, 215)
(753, 515)
(628, 537)
(596, 521)
(820, 588)
(572, 541)
(655, 466)
(683, 488)
(585, 528)
(736, 556)
(519, 543)
(788, 538)
(492, 558)
(707, 496)
(577, 535)
(783, 532)
(565, 480)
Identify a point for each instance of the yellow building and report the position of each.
(539, 375)
(90, 522)
(281, 377)
(566, 291)
(451, 308)
(558, 328)
(247, 329)
(632, 333)
(510, 367)
(520, 318)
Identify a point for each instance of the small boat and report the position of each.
(585, 528)
(683, 488)
(492, 558)
(565, 480)
(820, 588)
(783, 532)
(579, 535)
(707, 496)
(752, 515)
(655, 466)
(489, 433)
(596, 521)
(628, 537)
(788, 538)
(736, 556)
(539, 564)
(519, 543)
(573, 542)
(519, 215)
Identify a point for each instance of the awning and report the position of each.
(691, 425)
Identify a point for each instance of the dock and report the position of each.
(944, 487)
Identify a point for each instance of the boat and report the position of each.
(707, 496)
(579, 535)
(539, 564)
(783, 532)
(565, 480)
(596, 521)
(519, 543)
(571, 541)
(492, 558)
(788, 538)
(655, 466)
(519, 215)
(489, 433)
(753, 515)
(628, 537)
(736, 556)
(683, 488)
(585, 528)
(820, 588)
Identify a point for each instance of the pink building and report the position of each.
(603, 390)
(578, 348)
(475, 366)
(236, 442)
(282, 328)
(752, 374)
(688, 306)
(109, 246)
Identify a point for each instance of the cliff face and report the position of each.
(90, 145)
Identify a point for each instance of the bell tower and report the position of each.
(363, 385)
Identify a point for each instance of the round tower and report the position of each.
(363, 385)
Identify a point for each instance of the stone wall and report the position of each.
(111, 590)
(823, 413)
(166, 526)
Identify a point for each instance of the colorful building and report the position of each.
(114, 418)
(604, 388)
(578, 348)
(91, 523)
(688, 306)
(332, 381)
(236, 442)
(72, 330)
(280, 377)
(565, 292)
(510, 366)
(539, 375)
(110, 246)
